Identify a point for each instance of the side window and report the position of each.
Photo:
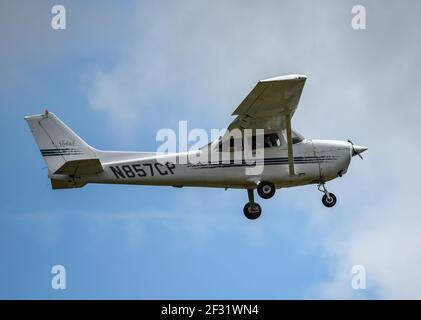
(234, 145)
(270, 140)
(253, 142)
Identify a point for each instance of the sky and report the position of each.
(121, 71)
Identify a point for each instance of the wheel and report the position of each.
(266, 189)
(329, 202)
(252, 210)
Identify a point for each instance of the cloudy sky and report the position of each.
(122, 71)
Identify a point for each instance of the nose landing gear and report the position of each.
(328, 199)
(266, 190)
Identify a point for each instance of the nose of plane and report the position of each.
(357, 150)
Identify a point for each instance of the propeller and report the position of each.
(357, 150)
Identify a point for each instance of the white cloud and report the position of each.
(385, 240)
(382, 234)
(195, 219)
(206, 56)
(202, 56)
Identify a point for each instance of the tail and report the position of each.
(67, 156)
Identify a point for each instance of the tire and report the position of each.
(329, 203)
(252, 213)
(266, 189)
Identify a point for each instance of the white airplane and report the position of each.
(289, 159)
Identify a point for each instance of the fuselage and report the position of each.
(315, 161)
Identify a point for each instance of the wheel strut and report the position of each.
(322, 188)
(250, 194)
(252, 210)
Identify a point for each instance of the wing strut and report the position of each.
(289, 140)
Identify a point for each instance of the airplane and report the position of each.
(289, 159)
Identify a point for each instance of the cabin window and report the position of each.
(234, 145)
(270, 140)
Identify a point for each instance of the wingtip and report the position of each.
(286, 77)
(44, 114)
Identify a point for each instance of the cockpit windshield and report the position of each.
(296, 137)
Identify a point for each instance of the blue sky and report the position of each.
(122, 71)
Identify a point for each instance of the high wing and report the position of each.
(270, 106)
(269, 103)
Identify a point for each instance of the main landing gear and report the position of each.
(252, 210)
(265, 190)
(329, 199)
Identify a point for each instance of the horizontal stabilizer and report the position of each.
(80, 167)
(60, 184)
